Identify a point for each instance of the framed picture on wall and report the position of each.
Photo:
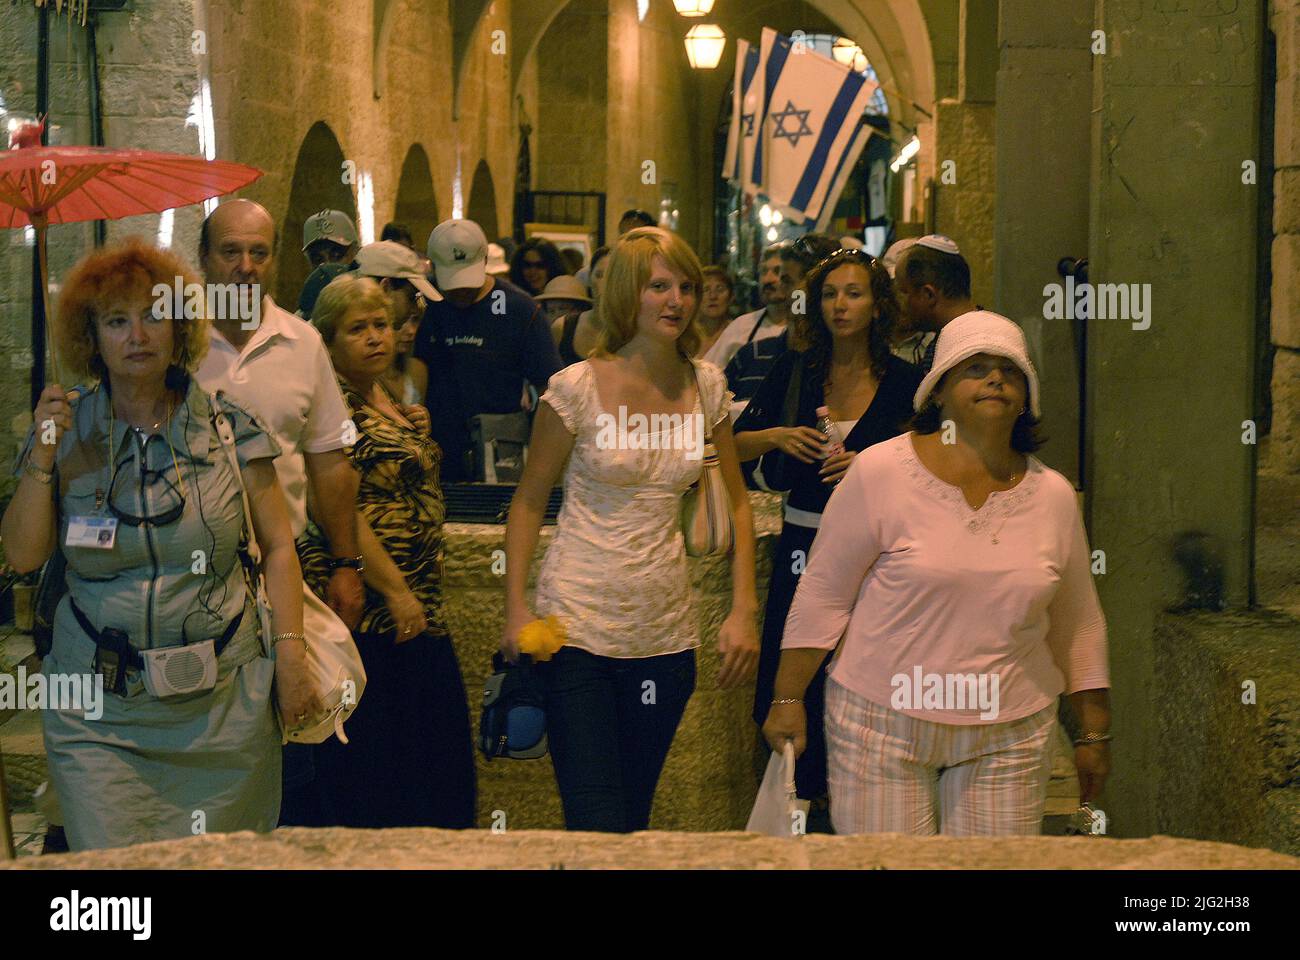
(566, 236)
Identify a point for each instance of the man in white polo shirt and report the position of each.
(277, 367)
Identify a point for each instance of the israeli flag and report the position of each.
(743, 134)
(810, 114)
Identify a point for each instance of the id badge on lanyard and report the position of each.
(95, 533)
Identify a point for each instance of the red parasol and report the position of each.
(44, 185)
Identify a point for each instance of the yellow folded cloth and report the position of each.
(541, 638)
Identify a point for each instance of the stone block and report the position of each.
(1027, 23)
(1284, 439)
(1285, 320)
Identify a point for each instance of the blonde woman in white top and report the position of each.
(952, 572)
(616, 574)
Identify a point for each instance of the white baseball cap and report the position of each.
(980, 331)
(458, 249)
(388, 258)
(332, 225)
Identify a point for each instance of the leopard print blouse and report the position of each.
(401, 497)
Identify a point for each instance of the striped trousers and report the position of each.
(891, 773)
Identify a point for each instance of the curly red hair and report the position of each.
(124, 273)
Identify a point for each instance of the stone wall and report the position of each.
(572, 65)
(709, 780)
(1227, 704)
(1284, 444)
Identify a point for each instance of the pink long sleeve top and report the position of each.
(921, 586)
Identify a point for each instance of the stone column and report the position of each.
(964, 156)
(1284, 456)
(1174, 118)
(1044, 93)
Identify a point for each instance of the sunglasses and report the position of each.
(149, 477)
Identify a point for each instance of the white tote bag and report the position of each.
(333, 661)
(778, 811)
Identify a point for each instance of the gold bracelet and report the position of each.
(1088, 738)
(788, 700)
(288, 636)
(41, 476)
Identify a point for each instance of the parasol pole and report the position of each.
(40, 223)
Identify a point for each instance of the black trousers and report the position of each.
(610, 722)
(810, 768)
(409, 758)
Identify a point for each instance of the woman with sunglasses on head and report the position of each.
(616, 575)
(839, 360)
(952, 574)
(129, 479)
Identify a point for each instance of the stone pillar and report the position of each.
(1284, 442)
(965, 156)
(1174, 117)
(1044, 93)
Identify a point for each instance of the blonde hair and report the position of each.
(631, 263)
(343, 293)
(124, 273)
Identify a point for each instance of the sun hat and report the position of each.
(564, 287)
(458, 249)
(980, 331)
(332, 225)
(390, 259)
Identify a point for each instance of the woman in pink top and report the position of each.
(952, 573)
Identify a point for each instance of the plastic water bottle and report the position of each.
(828, 426)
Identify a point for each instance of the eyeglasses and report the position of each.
(149, 477)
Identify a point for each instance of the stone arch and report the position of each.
(482, 206)
(417, 206)
(317, 184)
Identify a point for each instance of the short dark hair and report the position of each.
(398, 232)
(949, 273)
(642, 218)
(810, 249)
(1026, 437)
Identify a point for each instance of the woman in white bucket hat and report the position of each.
(952, 571)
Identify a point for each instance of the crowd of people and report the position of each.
(896, 418)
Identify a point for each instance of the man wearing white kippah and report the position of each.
(932, 281)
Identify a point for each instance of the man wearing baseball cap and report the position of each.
(932, 281)
(480, 342)
(329, 237)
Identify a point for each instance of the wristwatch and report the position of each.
(349, 563)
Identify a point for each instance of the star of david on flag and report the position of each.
(809, 131)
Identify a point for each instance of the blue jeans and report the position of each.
(610, 722)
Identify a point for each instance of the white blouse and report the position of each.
(616, 573)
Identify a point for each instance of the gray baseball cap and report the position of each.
(332, 225)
